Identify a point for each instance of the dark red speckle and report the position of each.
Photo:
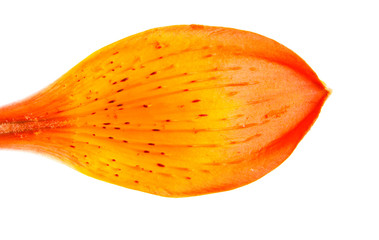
(157, 45)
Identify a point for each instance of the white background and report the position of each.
(327, 189)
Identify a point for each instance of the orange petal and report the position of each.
(173, 111)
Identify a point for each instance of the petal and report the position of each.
(174, 111)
